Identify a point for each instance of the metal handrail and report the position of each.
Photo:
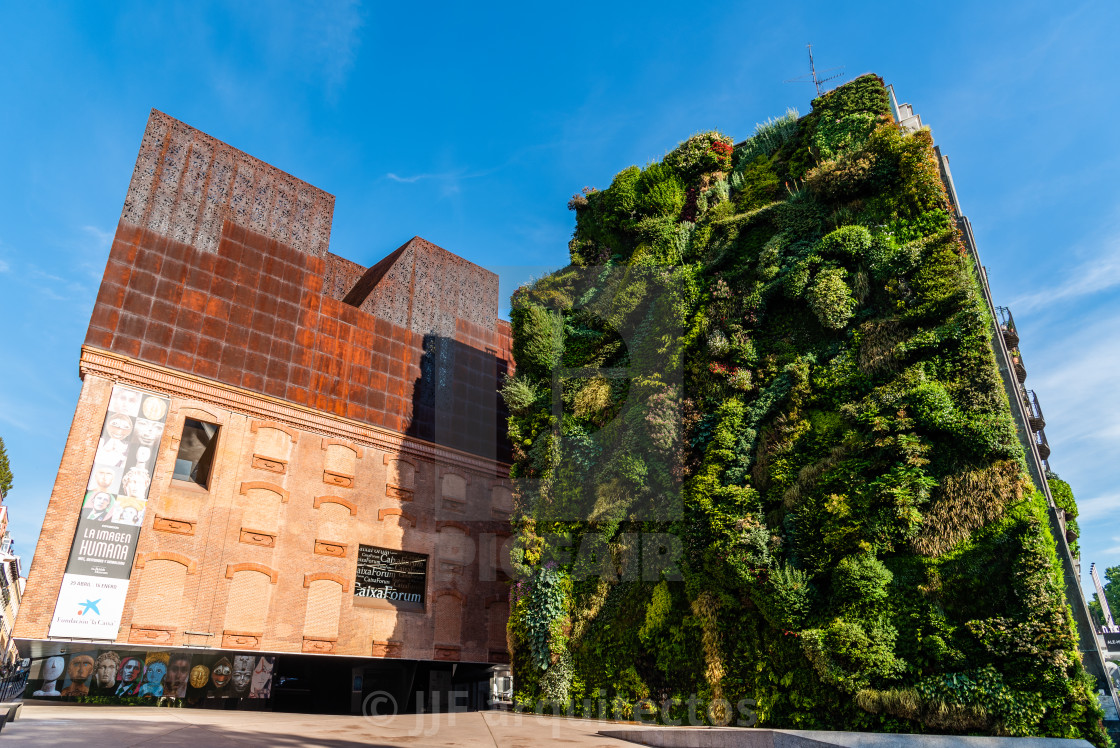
(1007, 327)
(1042, 445)
(1034, 411)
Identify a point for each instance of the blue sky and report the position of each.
(472, 125)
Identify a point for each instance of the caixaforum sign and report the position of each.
(91, 599)
(397, 577)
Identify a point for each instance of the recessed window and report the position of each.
(196, 452)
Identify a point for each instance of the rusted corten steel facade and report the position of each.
(353, 406)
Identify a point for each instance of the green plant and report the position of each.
(546, 605)
(768, 137)
(702, 153)
(812, 409)
(1063, 498)
(519, 394)
(6, 478)
(660, 192)
(831, 298)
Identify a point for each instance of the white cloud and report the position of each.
(1072, 362)
(444, 176)
(334, 31)
(450, 182)
(4, 267)
(412, 179)
(1098, 507)
(102, 238)
(1100, 272)
(320, 37)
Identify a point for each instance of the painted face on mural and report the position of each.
(52, 668)
(221, 673)
(262, 678)
(81, 667)
(119, 426)
(178, 672)
(199, 675)
(143, 454)
(107, 665)
(242, 672)
(155, 673)
(101, 501)
(125, 401)
(148, 431)
(130, 670)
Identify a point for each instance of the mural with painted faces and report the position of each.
(52, 670)
(262, 678)
(81, 667)
(129, 676)
(155, 673)
(221, 673)
(78, 672)
(200, 674)
(242, 674)
(106, 673)
(178, 673)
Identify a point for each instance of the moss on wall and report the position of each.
(810, 425)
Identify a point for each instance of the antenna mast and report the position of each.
(812, 76)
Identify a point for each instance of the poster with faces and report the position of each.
(79, 671)
(261, 684)
(125, 673)
(112, 511)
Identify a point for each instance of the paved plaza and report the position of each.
(124, 727)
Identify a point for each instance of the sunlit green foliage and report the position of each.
(784, 372)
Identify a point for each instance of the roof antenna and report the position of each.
(812, 76)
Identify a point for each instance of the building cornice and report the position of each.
(125, 369)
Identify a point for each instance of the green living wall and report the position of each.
(763, 454)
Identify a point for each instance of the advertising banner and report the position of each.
(116, 674)
(94, 586)
(398, 577)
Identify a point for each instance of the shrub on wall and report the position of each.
(784, 376)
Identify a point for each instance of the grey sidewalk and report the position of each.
(121, 727)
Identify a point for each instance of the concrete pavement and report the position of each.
(120, 727)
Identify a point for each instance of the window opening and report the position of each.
(196, 452)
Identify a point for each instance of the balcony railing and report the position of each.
(1007, 327)
(1017, 364)
(1042, 445)
(1035, 418)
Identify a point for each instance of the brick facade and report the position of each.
(354, 406)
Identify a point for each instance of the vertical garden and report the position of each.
(763, 454)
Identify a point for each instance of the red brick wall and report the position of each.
(193, 554)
